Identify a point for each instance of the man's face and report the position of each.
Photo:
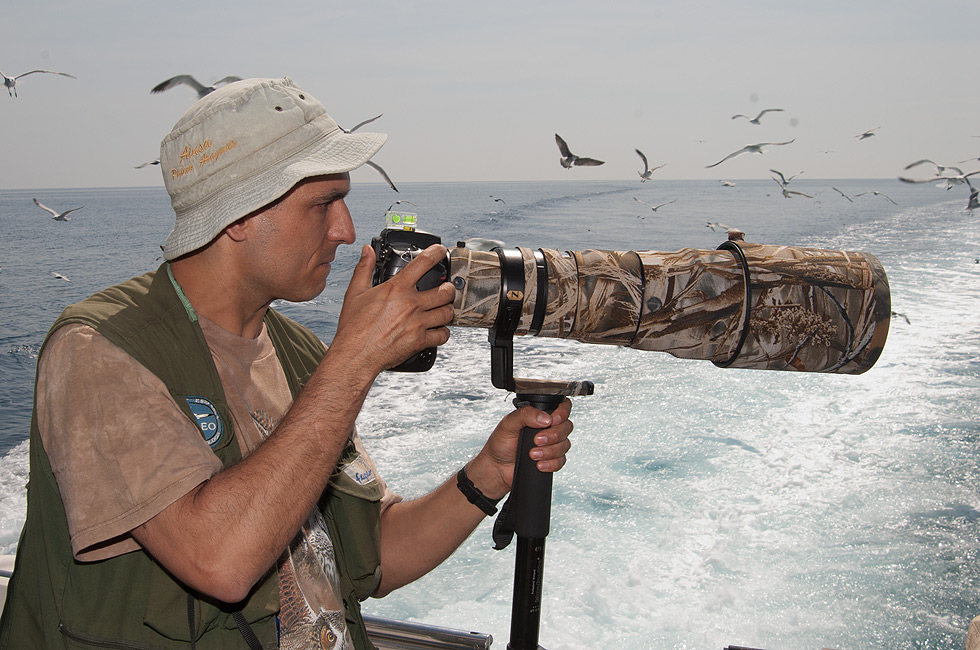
(292, 243)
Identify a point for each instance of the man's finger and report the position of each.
(419, 266)
(363, 272)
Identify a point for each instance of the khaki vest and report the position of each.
(129, 601)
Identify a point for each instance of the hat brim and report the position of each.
(334, 153)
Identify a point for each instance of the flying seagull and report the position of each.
(482, 244)
(147, 164)
(750, 148)
(384, 175)
(188, 80)
(654, 207)
(945, 181)
(727, 183)
(647, 172)
(787, 193)
(57, 216)
(369, 163)
(974, 202)
(939, 168)
(782, 179)
(842, 194)
(11, 82)
(568, 159)
(399, 202)
(498, 200)
(360, 124)
(876, 193)
(867, 134)
(720, 225)
(755, 120)
(59, 276)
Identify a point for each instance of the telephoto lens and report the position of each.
(742, 305)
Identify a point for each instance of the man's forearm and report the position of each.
(418, 535)
(225, 534)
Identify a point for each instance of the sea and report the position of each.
(700, 507)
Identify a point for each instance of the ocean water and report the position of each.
(700, 507)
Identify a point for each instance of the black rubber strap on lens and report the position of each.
(473, 494)
(747, 303)
(511, 290)
(540, 294)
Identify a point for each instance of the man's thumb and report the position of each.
(363, 271)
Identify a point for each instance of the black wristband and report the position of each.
(473, 494)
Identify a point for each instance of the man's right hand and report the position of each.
(381, 326)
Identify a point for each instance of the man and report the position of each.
(196, 481)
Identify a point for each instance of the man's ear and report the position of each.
(237, 230)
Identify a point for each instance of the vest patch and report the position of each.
(360, 471)
(207, 419)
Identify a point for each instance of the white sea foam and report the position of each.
(700, 507)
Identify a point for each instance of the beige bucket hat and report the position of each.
(242, 147)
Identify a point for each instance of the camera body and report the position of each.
(394, 248)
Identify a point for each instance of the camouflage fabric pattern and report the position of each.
(811, 310)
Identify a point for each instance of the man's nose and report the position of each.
(341, 223)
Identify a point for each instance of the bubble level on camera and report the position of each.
(401, 220)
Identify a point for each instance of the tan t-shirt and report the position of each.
(122, 451)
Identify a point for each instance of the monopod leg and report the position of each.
(531, 491)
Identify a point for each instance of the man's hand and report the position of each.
(379, 327)
(492, 471)
(418, 534)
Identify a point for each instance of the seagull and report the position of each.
(369, 163)
(895, 314)
(727, 183)
(11, 82)
(654, 208)
(945, 181)
(939, 168)
(384, 175)
(59, 276)
(788, 194)
(146, 164)
(57, 216)
(498, 200)
(360, 124)
(755, 120)
(750, 148)
(398, 202)
(876, 193)
(721, 226)
(647, 172)
(842, 194)
(867, 134)
(974, 202)
(782, 179)
(481, 244)
(568, 159)
(188, 80)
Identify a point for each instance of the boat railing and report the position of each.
(388, 634)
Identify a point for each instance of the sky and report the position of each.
(477, 91)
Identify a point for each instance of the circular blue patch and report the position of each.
(207, 419)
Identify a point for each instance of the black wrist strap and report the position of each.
(473, 494)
